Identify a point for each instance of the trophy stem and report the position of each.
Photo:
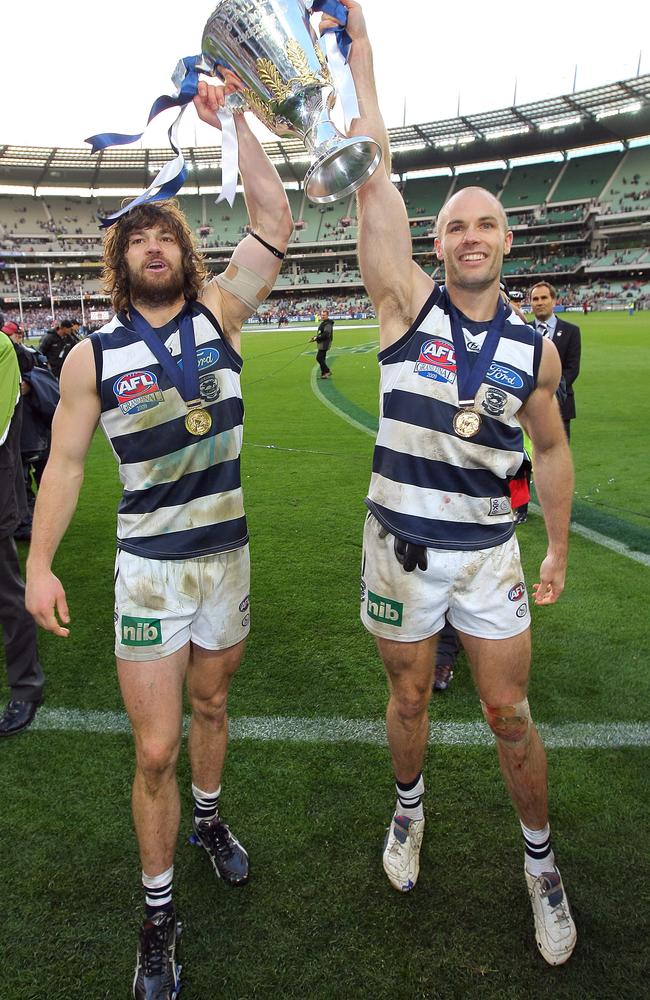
(340, 165)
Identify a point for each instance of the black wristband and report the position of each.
(276, 253)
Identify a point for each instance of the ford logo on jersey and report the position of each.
(437, 360)
(504, 376)
(207, 359)
(137, 391)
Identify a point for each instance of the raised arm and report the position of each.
(395, 284)
(268, 212)
(553, 470)
(73, 426)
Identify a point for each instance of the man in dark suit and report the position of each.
(565, 336)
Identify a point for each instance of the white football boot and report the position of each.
(402, 852)
(555, 930)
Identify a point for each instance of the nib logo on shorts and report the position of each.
(382, 609)
(141, 631)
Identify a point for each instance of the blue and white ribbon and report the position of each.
(169, 180)
(336, 43)
(229, 156)
(172, 176)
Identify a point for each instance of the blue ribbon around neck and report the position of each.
(184, 377)
(469, 379)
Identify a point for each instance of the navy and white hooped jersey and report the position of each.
(182, 494)
(429, 485)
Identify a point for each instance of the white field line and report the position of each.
(574, 735)
(331, 406)
(309, 328)
(620, 548)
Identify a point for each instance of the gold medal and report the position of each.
(198, 421)
(467, 423)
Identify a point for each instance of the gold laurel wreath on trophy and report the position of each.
(281, 90)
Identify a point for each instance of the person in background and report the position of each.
(24, 671)
(324, 338)
(566, 338)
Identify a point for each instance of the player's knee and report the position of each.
(410, 705)
(213, 710)
(156, 760)
(509, 723)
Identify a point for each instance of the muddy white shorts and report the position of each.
(482, 592)
(162, 604)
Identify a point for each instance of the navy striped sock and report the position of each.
(157, 891)
(539, 856)
(409, 798)
(206, 804)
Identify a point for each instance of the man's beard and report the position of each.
(154, 292)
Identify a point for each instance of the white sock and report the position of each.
(409, 798)
(538, 854)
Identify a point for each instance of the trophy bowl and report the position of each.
(272, 47)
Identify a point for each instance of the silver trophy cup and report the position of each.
(272, 47)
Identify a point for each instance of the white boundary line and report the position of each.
(332, 406)
(620, 548)
(570, 735)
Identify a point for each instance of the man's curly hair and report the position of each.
(115, 273)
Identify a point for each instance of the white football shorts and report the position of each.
(482, 592)
(160, 605)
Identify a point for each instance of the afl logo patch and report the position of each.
(517, 592)
(137, 391)
(437, 361)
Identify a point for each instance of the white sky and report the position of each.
(71, 69)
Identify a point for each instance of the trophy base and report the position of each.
(342, 170)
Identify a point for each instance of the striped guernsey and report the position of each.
(182, 494)
(428, 485)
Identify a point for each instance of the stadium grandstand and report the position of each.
(572, 173)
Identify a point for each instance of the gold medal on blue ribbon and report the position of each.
(467, 423)
(198, 421)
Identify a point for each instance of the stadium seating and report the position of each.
(560, 212)
(629, 189)
(529, 184)
(585, 177)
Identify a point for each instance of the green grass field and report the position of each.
(308, 784)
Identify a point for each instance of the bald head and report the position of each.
(471, 198)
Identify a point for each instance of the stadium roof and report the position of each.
(614, 112)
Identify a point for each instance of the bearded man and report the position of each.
(163, 381)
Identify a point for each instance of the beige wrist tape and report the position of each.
(247, 286)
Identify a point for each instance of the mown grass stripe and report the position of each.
(274, 728)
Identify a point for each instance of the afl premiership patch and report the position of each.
(437, 361)
(137, 391)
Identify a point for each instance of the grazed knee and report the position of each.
(509, 723)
